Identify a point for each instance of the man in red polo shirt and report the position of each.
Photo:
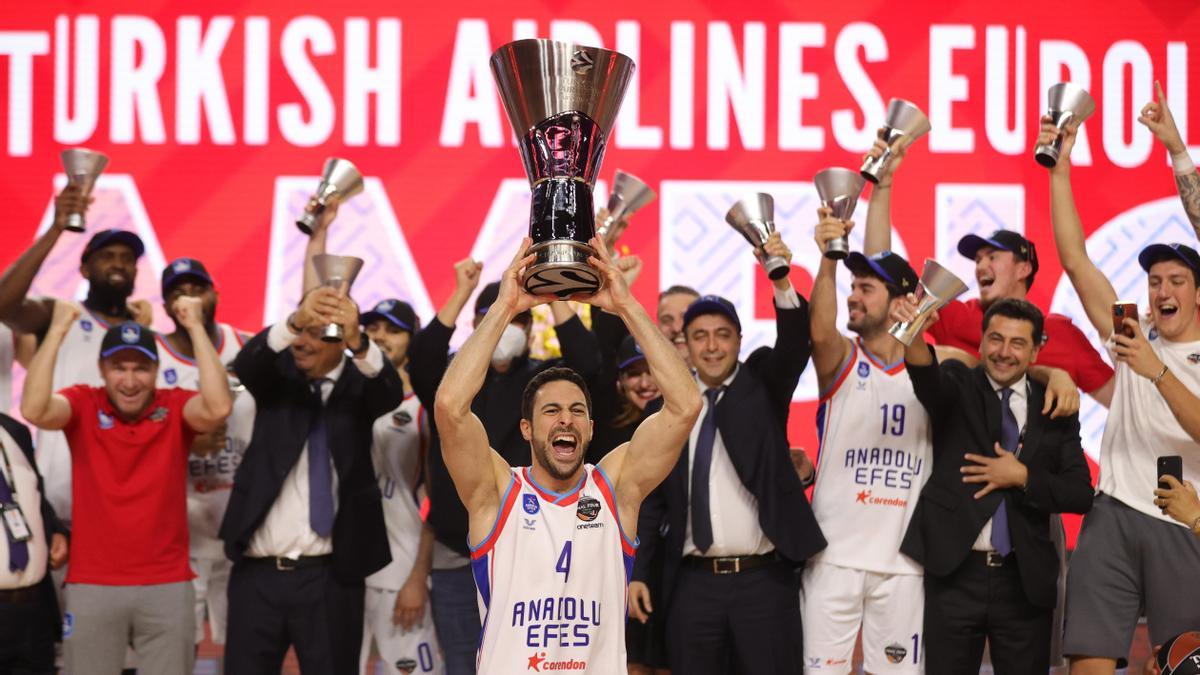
(129, 574)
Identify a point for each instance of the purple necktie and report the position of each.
(1010, 436)
(702, 534)
(320, 470)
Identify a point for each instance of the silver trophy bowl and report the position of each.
(82, 167)
(754, 219)
(839, 189)
(903, 119)
(340, 178)
(337, 272)
(562, 100)
(1068, 103)
(937, 288)
(628, 195)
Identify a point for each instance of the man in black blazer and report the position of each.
(982, 525)
(304, 525)
(729, 583)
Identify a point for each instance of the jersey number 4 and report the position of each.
(564, 562)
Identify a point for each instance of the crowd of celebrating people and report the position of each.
(632, 504)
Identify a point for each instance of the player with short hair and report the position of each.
(552, 572)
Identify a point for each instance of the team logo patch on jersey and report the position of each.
(530, 503)
(1152, 335)
(863, 369)
(105, 420)
(895, 653)
(588, 509)
(85, 325)
(401, 418)
(68, 626)
(406, 665)
(1193, 359)
(170, 376)
(159, 414)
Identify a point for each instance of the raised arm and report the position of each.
(429, 350)
(33, 315)
(478, 471)
(1094, 290)
(829, 347)
(637, 467)
(1157, 117)
(466, 278)
(40, 406)
(316, 240)
(878, 236)
(205, 412)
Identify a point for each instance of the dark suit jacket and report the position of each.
(964, 412)
(498, 407)
(286, 410)
(50, 522)
(752, 420)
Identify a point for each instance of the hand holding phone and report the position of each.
(1121, 310)
(1169, 465)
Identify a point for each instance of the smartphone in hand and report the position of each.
(1121, 310)
(1169, 465)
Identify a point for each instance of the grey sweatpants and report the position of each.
(158, 620)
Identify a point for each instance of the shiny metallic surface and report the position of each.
(82, 167)
(839, 190)
(903, 119)
(337, 272)
(339, 177)
(937, 288)
(561, 269)
(629, 194)
(1067, 103)
(754, 219)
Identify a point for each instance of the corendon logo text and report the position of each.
(539, 664)
(864, 497)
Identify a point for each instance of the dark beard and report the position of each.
(542, 456)
(108, 299)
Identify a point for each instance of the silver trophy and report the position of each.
(562, 100)
(1068, 103)
(339, 178)
(937, 288)
(628, 195)
(838, 189)
(82, 167)
(903, 119)
(337, 272)
(754, 218)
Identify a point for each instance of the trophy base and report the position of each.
(75, 223)
(838, 249)
(1046, 155)
(306, 221)
(874, 166)
(333, 333)
(777, 268)
(561, 269)
(906, 332)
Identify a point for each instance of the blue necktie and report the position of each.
(320, 470)
(702, 534)
(1010, 435)
(18, 551)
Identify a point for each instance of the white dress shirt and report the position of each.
(286, 531)
(30, 501)
(1018, 402)
(733, 508)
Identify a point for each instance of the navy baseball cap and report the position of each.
(629, 353)
(712, 304)
(399, 312)
(184, 268)
(1155, 253)
(893, 269)
(109, 237)
(1005, 240)
(129, 335)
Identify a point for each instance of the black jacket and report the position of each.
(752, 420)
(50, 522)
(286, 410)
(964, 412)
(498, 407)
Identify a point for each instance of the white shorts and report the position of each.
(836, 602)
(212, 601)
(416, 648)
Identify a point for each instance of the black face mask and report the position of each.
(108, 299)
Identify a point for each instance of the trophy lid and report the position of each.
(629, 193)
(342, 176)
(81, 163)
(753, 217)
(538, 79)
(836, 182)
(907, 118)
(337, 268)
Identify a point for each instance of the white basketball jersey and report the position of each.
(7, 352)
(78, 363)
(552, 577)
(875, 455)
(209, 479)
(398, 443)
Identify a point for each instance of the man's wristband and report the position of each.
(1161, 374)
(363, 345)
